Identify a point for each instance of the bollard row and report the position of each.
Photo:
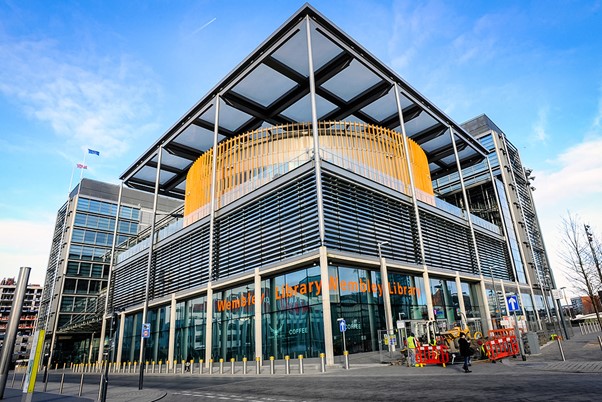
(190, 367)
(589, 327)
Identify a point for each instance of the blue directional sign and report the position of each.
(342, 325)
(513, 303)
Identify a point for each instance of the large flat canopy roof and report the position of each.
(271, 87)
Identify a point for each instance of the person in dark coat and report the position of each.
(464, 351)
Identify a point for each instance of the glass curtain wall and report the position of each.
(130, 351)
(292, 314)
(190, 329)
(157, 346)
(234, 323)
(529, 311)
(357, 296)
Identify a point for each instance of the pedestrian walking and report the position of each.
(465, 351)
(412, 343)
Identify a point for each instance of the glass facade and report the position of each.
(130, 351)
(446, 301)
(292, 314)
(234, 323)
(88, 265)
(191, 320)
(157, 345)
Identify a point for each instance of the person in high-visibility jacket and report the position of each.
(412, 344)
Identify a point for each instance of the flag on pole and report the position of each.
(81, 166)
(93, 152)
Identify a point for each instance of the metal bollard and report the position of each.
(12, 385)
(301, 364)
(600, 341)
(210, 366)
(272, 371)
(287, 364)
(183, 366)
(560, 347)
(81, 385)
(62, 382)
(346, 354)
(136, 365)
(258, 365)
(45, 382)
(153, 367)
(232, 368)
(322, 362)
(191, 366)
(244, 365)
(201, 366)
(22, 380)
(221, 365)
(160, 365)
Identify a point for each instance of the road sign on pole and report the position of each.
(512, 303)
(146, 330)
(342, 325)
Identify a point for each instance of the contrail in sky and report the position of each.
(203, 27)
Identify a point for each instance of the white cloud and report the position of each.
(578, 175)
(85, 99)
(574, 185)
(25, 244)
(539, 126)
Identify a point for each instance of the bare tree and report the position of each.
(579, 259)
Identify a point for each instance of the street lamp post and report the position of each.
(111, 351)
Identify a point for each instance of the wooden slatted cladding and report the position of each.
(250, 160)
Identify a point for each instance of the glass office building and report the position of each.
(317, 185)
(78, 268)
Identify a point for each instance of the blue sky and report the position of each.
(115, 75)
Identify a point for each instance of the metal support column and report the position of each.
(425, 273)
(149, 265)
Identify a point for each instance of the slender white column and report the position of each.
(258, 333)
(425, 273)
(384, 279)
(121, 332)
(150, 253)
(463, 317)
(314, 128)
(209, 317)
(328, 343)
(209, 327)
(465, 198)
(106, 315)
(172, 330)
(485, 303)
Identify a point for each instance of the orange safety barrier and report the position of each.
(432, 355)
(501, 347)
(501, 333)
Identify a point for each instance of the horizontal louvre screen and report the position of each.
(279, 225)
(356, 219)
(494, 258)
(447, 244)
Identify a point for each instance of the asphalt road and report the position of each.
(384, 384)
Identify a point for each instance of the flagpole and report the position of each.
(81, 175)
(71, 180)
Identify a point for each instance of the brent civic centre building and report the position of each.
(317, 184)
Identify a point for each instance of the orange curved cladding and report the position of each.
(250, 160)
